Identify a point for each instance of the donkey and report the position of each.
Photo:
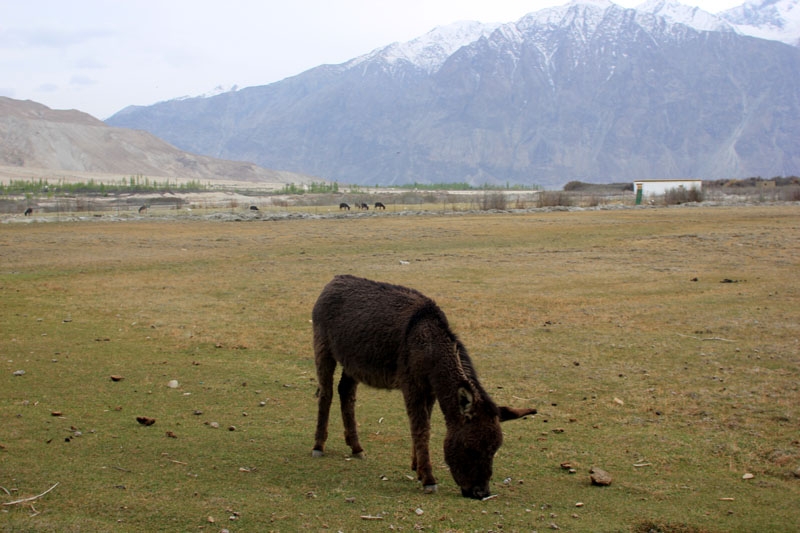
(344, 206)
(393, 337)
(379, 205)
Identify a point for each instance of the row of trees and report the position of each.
(133, 184)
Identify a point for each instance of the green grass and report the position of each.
(676, 387)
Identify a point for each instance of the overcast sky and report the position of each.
(100, 56)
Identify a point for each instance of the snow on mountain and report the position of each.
(777, 20)
(678, 13)
(430, 51)
(216, 91)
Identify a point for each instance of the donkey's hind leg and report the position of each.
(347, 395)
(326, 366)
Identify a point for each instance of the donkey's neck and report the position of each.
(447, 376)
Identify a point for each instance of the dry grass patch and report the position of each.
(660, 345)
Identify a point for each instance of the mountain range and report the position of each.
(33, 136)
(587, 91)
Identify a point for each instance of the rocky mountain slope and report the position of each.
(33, 136)
(587, 91)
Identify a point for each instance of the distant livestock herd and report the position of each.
(365, 207)
(342, 206)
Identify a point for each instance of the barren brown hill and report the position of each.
(38, 140)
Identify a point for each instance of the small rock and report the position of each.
(748, 476)
(600, 477)
(56, 413)
(19, 372)
(173, 384)
(117, 378)
(419, 511)
(171, 435)
(231, 428)
(214, 425)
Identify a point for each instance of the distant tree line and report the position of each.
(133, 184)
(780, 181)
(311, 188)
(463, 186)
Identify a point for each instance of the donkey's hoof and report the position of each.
(359, 455)
(316, 453)
(430, 489)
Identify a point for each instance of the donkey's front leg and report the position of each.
(418, 406)
(347, 395)
(326, 366)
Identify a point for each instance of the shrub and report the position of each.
(790, 194)
(682, 195)
(553, 199)
(493, 200)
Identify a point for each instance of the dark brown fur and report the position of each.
(393, 337)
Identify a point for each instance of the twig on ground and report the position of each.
(523, 399)
(32, 498)
(5, 490)
(706, 338)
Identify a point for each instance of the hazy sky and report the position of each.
(100, 56)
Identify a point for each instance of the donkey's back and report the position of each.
(363, 325)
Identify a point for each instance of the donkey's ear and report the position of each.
(466, 401)
(511, 413)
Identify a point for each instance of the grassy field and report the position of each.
(661, 345)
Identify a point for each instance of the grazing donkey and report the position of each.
(379, 205)
(344, 206)
(393, 337)
(29, 212)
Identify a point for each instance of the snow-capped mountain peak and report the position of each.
(430, 51)
(778, 20)
(678, 13)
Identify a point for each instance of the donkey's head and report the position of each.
(471, 444)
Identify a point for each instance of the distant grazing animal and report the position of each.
(253, 208)
(344, 206)
(393, 337)
(142, 209)
(363, 206)
(29, 212)
(379, 205)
